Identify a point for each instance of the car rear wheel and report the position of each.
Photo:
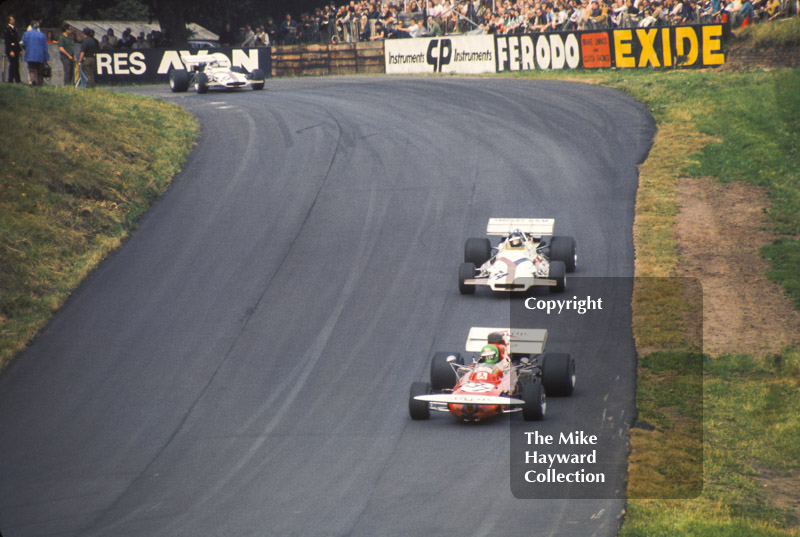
(178, 80)
(558, 273)
(443, 377)
(564, 249)
(201, 83)
(558, 373)
(535, 403)
(466, 272)
(477, 251)
(419, 410)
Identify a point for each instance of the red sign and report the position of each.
(596, 49)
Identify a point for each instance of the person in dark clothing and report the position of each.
(13, 50)
(87, 60)
(226, 37)
(272, 31)
(289, 30)
(66, 49)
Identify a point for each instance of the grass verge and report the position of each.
(82, 168)
(733, 127)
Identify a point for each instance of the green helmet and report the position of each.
(490, 354)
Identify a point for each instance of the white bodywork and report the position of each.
(217, 67)
(516, 268)
(519, 340)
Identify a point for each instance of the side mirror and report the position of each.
(524, 360)
(451, 359)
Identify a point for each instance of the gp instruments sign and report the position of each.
(450, 54)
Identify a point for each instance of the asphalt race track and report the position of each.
(242, 365)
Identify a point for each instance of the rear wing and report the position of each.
(533, 226)
(521, 340)
(193, 61)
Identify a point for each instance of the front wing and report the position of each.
(469, 399)
(520, 284)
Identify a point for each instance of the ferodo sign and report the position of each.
(686, 46)
(154, 65)
(447, 54)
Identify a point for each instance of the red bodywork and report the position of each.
(484, 379)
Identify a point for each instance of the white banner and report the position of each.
(456, 54)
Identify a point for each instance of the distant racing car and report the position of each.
(517, 381)
(213, 71)
(528, 255)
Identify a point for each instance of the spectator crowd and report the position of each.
(364, 20)
(372, 20)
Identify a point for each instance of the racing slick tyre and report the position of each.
(442, 375)
(564, 249)
(558, 373)
(535, 404)
(258, 77)
(477, 251)
(419, 410)
(201, 83)
(557, 272)
(466, 272)
(178, 80)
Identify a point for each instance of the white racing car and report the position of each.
(528, 255)
(213, 71)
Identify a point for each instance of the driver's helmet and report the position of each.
(490, 354)
(515, 240)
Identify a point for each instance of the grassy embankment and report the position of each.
(743, 128)
(77, 170)
(744, 437)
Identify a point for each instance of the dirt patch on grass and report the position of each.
(719, 231)
(783, 491)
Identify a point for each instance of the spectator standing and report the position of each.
(66, 50)
(112, 39)
(34, 42)
(262, 37)
(141, 42)
(272, 30)
(289, 30)
(226, 36)
(127, 40)
(249, 37)
(13, 50)
(87, 61)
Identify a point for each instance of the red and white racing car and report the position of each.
(516, 382)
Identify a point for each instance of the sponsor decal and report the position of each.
(595, 50)
(543, 51)
(675, 46)
(686, 46)
(457, 54)
(477, 387)
(154, 65)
